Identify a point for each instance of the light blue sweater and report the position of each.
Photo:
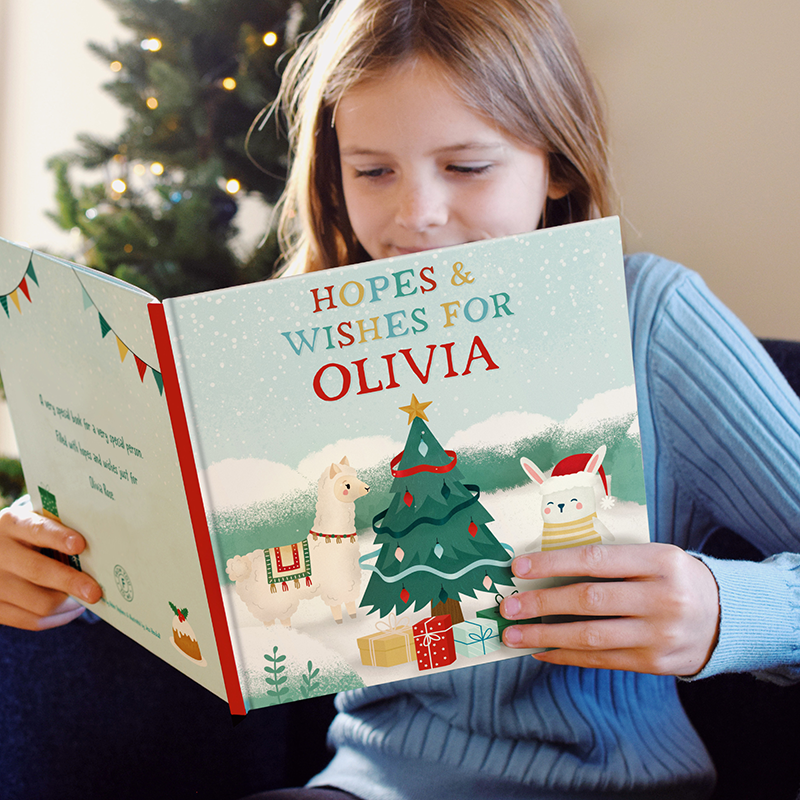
(721, 440)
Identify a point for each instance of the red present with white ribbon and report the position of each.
(433, 642)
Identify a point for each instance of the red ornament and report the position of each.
(404, 595)
(473, 528)
(408, 498)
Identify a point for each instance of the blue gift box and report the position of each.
(476, 637)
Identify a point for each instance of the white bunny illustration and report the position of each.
(569, 505)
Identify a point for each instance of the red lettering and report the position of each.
(342, 332)
(448, 348)
(362, 379)
(477, 344)
(318, 300)
(407, 354)
(426, 279)
(320, 392)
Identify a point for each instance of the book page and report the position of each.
(86, 398)
(375, 444)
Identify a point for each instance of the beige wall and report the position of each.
(702, 96)
(49, 91)
(704, 105)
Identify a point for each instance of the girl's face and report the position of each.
(421, 170)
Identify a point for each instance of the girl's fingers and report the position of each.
(43, 572)
(583, 598)
(39, 531)
(600, 561)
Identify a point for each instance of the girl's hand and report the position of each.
(34, 588)
(665, 605)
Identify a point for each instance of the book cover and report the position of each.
(375, 443)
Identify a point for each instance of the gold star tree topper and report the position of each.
(415, 409)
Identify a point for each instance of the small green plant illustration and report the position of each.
(274, 677)
(310, 686)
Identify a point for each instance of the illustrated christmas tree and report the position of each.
(435, 543)
(193, 78)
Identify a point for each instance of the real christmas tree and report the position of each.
(436, 546)
(193, 78)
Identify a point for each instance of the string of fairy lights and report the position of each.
(118, 186)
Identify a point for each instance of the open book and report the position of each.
(318, 483)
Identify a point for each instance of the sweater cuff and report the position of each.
(759, 627)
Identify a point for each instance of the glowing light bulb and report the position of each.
(139, 169)
(232, 186)
(128, 248)
(115, 66)
(153, 45)
(152, 103)
(229, 84)
(119, 186)
(270, 39)
(157, 168)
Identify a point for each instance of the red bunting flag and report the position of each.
(141, 366)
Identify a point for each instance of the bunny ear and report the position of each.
(532, 471)
(593, 464)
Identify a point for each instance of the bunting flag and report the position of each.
(22, 285)
(105, 329)
(104, 326)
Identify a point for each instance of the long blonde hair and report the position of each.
(513, 61)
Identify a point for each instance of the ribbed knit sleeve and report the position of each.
(721, 436)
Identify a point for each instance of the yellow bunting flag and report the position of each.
(123, 351)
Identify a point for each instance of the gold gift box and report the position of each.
(387, 648)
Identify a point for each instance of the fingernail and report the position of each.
(522, 566)
(511, 607)
(72, 542)
(86, 592)
(512, 636)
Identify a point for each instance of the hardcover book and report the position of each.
(317, 483)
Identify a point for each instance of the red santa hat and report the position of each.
(572, 472)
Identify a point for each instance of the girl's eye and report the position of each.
(377, 172)
(468, 169)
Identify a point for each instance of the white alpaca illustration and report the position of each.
(326, 563)
(569, 504)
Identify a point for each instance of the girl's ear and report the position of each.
(532, 471)
(556, 190)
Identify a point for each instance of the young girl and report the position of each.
(424, 123)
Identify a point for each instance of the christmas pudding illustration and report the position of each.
(183, 637)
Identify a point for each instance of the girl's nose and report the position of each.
(421, 206)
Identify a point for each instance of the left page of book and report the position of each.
(86, 398)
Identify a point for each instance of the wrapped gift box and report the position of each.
(388, 646)
(476, 637)
(433, 641)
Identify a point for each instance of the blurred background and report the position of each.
(702, 101)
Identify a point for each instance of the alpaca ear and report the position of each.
(345, 461)
(596, 460)
(532, 471)
(335, 470)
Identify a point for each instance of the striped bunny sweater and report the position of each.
(720, 432)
